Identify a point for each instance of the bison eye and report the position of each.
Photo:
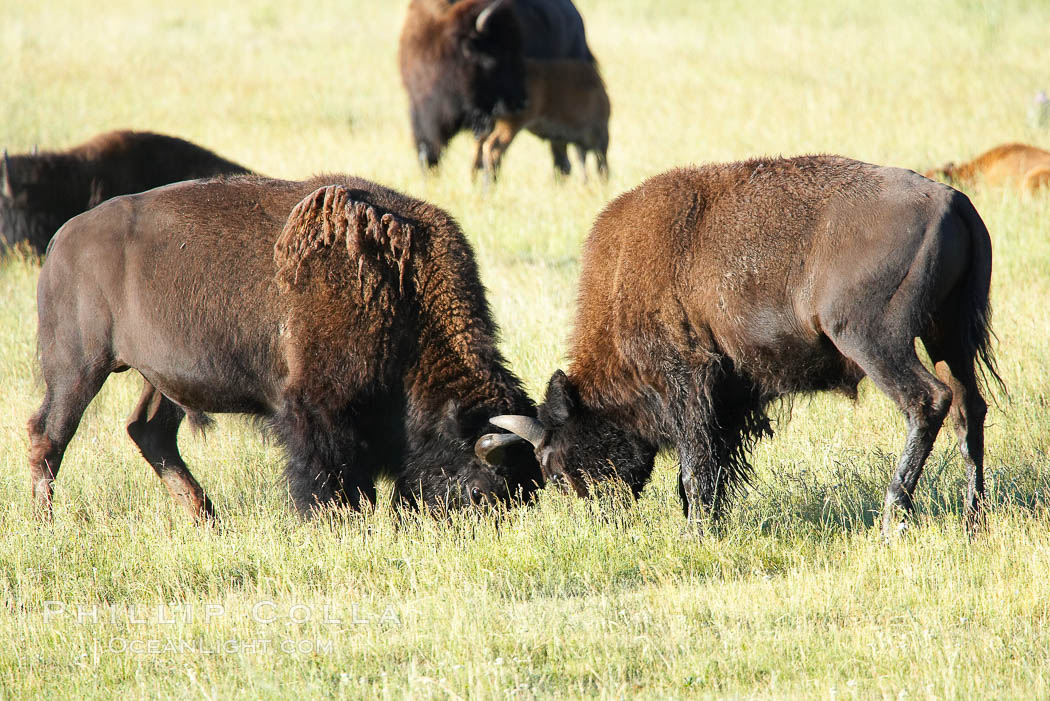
(476, 495)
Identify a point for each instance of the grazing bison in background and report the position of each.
(40, 191)
(567, 104)
(347, 315)
(1016, 164)
(463, 62)
(707, 292)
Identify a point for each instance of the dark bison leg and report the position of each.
(600, 151)
(154, 426)
(581, 159)
(428, 146)
(721, 415)
(896, 370)
(603, 165)
(560, 152)
(955, 367)
(323, 467)
(479, 156)
(54, 423)
(700, 482)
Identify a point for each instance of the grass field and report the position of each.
(799, 597)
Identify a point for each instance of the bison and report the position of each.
(463, 62)
(1021, 165)
(707, 292)
(567, 104)
(347, 316)
(40, 191)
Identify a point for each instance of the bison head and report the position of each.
(490, 42)
(577, 445)
(32, 204)
(945, 173)
(460, 68)
(442, 472)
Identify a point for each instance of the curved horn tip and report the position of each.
(525, 426)
(490, 442)
(483, 16)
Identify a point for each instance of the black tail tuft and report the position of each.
(979, 335)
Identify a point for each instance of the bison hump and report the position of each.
(333, 219)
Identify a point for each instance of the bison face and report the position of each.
(576, 445)
(491, 63)
(491, 47)
(460, 67)
(450, 487)
(442, 472)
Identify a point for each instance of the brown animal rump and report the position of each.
(707, 292)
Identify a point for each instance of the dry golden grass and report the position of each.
(120, 596)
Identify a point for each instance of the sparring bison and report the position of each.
(567, 105)
(1020, 165)
(707, 292)
(349, 317)
(463, 62)
(40, 191)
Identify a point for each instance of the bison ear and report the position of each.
(453, 421)
(561, 400)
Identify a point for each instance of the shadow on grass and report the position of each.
(848, 495)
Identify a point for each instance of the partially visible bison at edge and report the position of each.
(348, 316)
(707, 292)
(40, 191)
(464, 62)
(1020, 165)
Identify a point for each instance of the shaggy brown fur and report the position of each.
(40, 191)
(329, 215)
(347, 315)
(567, 105)
(707, 292)
(1020, 165)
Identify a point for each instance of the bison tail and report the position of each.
(978, 334)
(331, 215)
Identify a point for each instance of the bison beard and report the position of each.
(706, 293)
(348, 317)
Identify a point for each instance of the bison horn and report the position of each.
(5, 187)
(483, 18)
(490, 446)
(525, 426)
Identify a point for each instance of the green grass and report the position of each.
(798, 598)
